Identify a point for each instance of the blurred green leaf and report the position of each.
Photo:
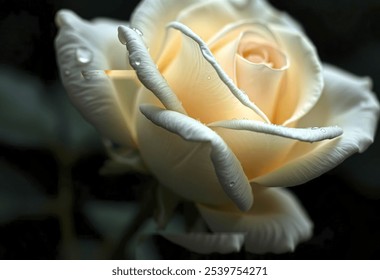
(72, 131)
(25, 116)
(19, 196)
(32, 115)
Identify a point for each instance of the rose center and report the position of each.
(257, 50)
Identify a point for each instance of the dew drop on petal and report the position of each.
(232, 184)
(138, 31)
(314, 128)
(323, 130)
(83, 55)
(67, 73)
(208, 77)
(122, 38)
(136, 62)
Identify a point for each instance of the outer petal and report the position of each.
(197, 17)
(83, 46)
(201, 157)
(204, 89)
(207, 243)
(152, 16)
(346, 101)
(275, 224)
(302, 84)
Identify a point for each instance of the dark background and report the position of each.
(343, 204)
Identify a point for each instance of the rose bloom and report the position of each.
(224, 102)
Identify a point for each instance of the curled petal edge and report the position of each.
(146, 69)
(277, 222)
(207, 243)
(227, 167)
(207, 54)
(312, 134)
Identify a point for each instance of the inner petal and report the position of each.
(196, 83)
(252, 58)
(258, 50)
(260, 68)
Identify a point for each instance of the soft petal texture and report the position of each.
(261, 83)
(347, 101)
(224, 165)
(106, 104)
(310, 134)
(207, 243)
(303, 82)
(197, 17)
(147, 70)
(211, 88)
(275, 224)
(152, 16)
(262, 147)
(200, 89)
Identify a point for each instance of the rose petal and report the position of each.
(303, 82)
(262, 147)
(151, 17)
(311, 134)
(275, 224)
(197, 17)
(346, 101)
(83, 46)
(147, 71)
(261, 83)
(207, 243)
(199, 47)
(201, 156)
(200, 90)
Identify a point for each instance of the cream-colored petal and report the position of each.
(310, 134)
(261, 84)
(197, 238)
(197, 17)
(302, 83)
(151, 17)
(147, 71)
(205, 90)
(207, 243)
(276, 223)
(84, 46)
(190, 164)
(346, 101)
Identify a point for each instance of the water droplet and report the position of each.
(136, 62)
(232, 184)
(67, 72)
(314, 128)
(138, 31)
(84, 55)
(323, 130)
(208, 77)
(122, 38)
(206, 52)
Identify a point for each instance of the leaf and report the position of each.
(25, 117)
(32, 115)
(19, 196)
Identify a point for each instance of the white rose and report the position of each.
(230, 99)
